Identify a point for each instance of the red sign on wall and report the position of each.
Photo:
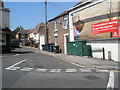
(104, 27)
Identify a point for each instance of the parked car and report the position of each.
(15, 44)
(36, 45)
(25, 43)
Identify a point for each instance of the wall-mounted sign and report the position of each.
(115, 34)
(104, 27)
(95, 25)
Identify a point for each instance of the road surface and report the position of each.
(28, 68)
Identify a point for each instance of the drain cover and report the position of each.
(92, 77)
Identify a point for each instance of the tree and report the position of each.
(19, 28)
(41, 26)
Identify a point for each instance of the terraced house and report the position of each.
(59, 31)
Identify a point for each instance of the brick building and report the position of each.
(58, 31)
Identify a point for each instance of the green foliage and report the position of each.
(41, 25)
(19, 28)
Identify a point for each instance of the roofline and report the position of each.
(5, 9)
(66, 12)
(74, 7)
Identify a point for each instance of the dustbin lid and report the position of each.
(51, 45)
(56, 45)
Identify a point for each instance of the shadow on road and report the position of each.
(21, 52)
(18, 51)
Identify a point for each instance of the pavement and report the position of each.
(89, 62)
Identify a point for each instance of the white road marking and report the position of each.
(85, 70)
(41, 70)
(17, 63)
(55, 70)
(16, 67)
(11, 69)
(71, 70)
(26, 69)
(13, 66)
(102, 70)
(110, 85)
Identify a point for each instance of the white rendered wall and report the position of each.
(0, 14)
(36, 37)
(0, 18)
(5, 19)
(31, 35)
(71, 28)
(42, 41)
(108, 45)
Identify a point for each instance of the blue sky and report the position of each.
(29, 14)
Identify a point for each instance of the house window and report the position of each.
(55, 26)
(65, 25)
(2, 39)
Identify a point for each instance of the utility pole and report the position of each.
(46, 29)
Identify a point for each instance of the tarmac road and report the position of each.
(28, 68)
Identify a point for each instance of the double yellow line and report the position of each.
(76, 64)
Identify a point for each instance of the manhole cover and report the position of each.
(92, 77)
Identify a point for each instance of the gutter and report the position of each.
(79, 5)
(5, 9)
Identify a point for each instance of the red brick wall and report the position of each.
(60, 30)
(51, 32)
